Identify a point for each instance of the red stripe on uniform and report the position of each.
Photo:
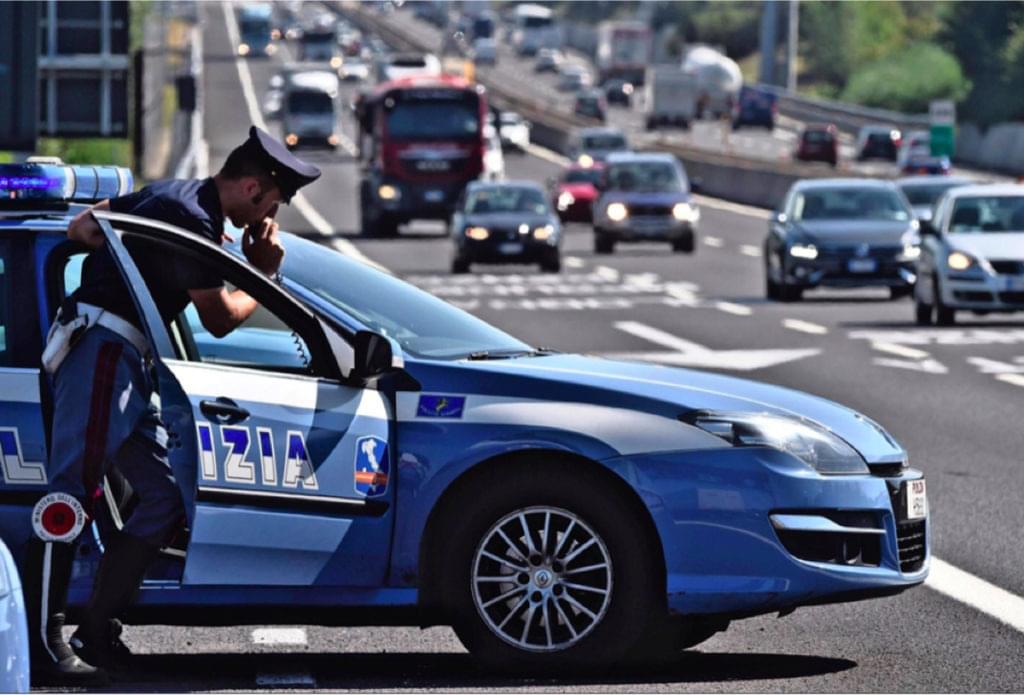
(99, 415)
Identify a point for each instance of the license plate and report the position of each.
(917, 500)
(863, 265)
(1012, 284)
(433, 196)
(510, 248)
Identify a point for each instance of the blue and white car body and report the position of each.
(364, 453)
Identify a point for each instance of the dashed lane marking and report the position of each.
(804, 326)
(607, 273)
(279, 635)
(298, 200)
(899, 350)
(573, 262)
(714, 242)
(734, 309)
(966, 588)
(1015, 379)
(750, 250)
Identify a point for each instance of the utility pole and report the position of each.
(769, 35)
(792, 42)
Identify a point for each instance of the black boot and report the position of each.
(124, 563)
(49, 568)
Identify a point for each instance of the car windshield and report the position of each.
(988, 214)
(583, 176)
(506, 199)
(423, 325)
(441, 119)
(648, 177)
(849, 203)
(309, 102)
(920, 195)
(604, 142)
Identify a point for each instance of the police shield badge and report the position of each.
(371, 469)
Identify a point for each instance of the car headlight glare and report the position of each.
(336, 62)
(684, 212)
(291, 139)
(585, 160)
(243, 49)
(818, 448)
(616, 212)
(959, 261)
(477, 233)
(805, 251)
(911, 252)
(389, 192)
(545, 232)
(565, 200)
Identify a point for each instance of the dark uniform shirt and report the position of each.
(193, 205)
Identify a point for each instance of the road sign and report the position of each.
(942, 118)
(19, 51)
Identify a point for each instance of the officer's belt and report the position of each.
(98, 316)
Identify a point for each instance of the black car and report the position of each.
(619, 92)
(840, 233)
(754, 107)
(591, 104)
(878, 142)
(505, 222)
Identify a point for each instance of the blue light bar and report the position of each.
(61, 182)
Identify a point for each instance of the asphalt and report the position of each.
(938, 391)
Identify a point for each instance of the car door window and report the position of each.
(263, 341)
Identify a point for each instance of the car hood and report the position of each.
(1008, 247)
(845, 232)
(641, 198)
(505, 220)
(665, 391)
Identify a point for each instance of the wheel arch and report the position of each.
(445, 510)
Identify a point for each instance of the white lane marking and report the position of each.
(734, 309)
(606, 273)
(573, 262)
(928, 366)
(285, 680)
(899, 350)
(298, 200)
(966, 588)
(1015, 379)
(279, 635)
(548, 155)
(804, 326)
(714, 242)
(659, 337)
(750, 250)
(990, 366)
(738, 208)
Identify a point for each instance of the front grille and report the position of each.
(882, 253)
(910, 539)
(423, 167)
(1008, 267)
(972, 296)
(650, 210)
(1012, 297)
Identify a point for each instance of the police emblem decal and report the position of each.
(441, 406)
(371, 468)
(58, 517)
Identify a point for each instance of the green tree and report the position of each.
(908, 80)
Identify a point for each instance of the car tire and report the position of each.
(944, 315)
(922, 312)
(789, 293)
(662, 643)
(896, 293)
(603, 243)
(580, 509)
(683, 244)
(460, 265)
(551, 262)
(772, 291)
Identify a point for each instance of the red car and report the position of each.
(818, 143)
(575, 192)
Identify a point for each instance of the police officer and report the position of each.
(104, 410)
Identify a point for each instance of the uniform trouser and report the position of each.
(104, 415)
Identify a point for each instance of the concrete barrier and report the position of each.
(1000, 148)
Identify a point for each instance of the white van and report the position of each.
(309, 109)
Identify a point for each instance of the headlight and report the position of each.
(335, 62)
(808, 251)
(959, 261)
(332, 140)
(616, 212)
(821, 450)
(586, 160)
(565, 199)
(291, 139)
(478, 233)
(243, 49)
(387, 192)
(544, 232)
(911, 252)
(684, 212)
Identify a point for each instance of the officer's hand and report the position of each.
(262, 247)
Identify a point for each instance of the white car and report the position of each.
(354, 70)
(514, 130)
(494, 159)
(916, 143)
(971, 254)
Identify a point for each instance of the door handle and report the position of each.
(224, 410)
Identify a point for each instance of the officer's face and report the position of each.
(258, 202)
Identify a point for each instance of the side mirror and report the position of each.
(375, 354)
(696, 185)
(925, 228)
(780, 217)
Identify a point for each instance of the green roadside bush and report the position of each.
(908, 79)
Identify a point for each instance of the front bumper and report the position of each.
(843, 271)
(648, 229)
(501, 250)
(982, 291)
(722, 517)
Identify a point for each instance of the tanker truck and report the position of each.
(717, 80)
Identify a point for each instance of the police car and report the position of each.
(361, 452)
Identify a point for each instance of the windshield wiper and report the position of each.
(508, 354)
